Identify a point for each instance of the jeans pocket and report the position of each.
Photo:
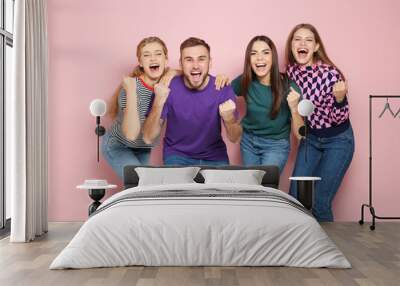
(286, 144)
(347, 136)
(282, 145)
(111, 143)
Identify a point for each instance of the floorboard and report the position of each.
(374, 255)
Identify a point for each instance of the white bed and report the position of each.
(201, 224)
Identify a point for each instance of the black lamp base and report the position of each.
(100, 131)
(305, 193)
(96, 195)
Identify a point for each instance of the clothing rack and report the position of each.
(370, 205)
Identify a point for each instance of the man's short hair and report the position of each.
(192, 42)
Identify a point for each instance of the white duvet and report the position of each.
(219, 231)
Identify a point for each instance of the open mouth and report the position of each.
(302, 52)
(196, 75)
(260, 67)
(154, 67)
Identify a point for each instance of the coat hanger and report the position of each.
(387, 107)
(397, 113)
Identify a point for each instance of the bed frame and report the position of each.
(270, 179)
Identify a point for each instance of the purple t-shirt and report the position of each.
(193, 121)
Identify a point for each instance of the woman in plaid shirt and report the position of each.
(330, 139)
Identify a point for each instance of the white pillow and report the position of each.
(248, 177)
(164, 176)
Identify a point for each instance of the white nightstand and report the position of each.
(96, 190)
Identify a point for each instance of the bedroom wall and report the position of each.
(92, 44)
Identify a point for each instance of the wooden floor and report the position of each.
(374, 255)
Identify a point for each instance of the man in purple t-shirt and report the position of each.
(193, 110)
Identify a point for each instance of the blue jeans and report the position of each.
(186, 161)
(119, 155)
(328, 158)
(257, 150)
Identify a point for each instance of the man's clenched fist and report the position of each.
(226, 111)
(161, 91)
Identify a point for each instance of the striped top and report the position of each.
(316, 83)
(144, 96)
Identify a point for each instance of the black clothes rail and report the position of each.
(369, 205)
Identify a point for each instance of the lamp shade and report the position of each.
(305, 107)
(98, 107)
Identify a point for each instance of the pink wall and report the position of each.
(92, 45)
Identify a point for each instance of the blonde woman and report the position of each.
(123, 144)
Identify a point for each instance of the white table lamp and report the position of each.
(305, 109)
(98, 108)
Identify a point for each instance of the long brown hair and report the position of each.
(276, 78)
(137, 71)
(319, 55)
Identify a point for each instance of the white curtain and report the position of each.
(26, 123)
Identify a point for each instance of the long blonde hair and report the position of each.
(137, 71)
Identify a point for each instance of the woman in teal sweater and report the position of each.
(271, 106)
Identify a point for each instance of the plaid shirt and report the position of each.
(316, 84)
